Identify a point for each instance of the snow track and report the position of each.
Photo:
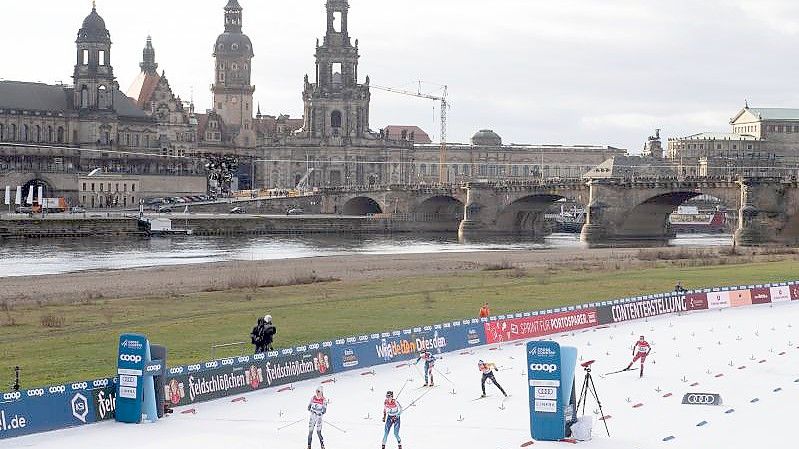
(748, 355)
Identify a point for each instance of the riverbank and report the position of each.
(55, 343)
(219, 276)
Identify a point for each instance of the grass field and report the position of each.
(59, 343)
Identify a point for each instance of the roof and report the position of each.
(34, 96)
(627, 167)
(143, 88)
(718, 136)
(767, 114)
(126, 106)
(419, 135)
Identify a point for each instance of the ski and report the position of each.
(481, 397)
(619, 371)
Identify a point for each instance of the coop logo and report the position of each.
(701, 399)
(132, 344)
(80, 407)
(546, 367)
(130, 358)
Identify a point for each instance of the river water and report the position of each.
(38, 257)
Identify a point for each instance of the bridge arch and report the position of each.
(525, 215)
(36, 182)
(361, 205)
(439, 208)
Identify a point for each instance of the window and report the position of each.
(84, 187)
(718, 146)
(235, 67)
(61, 134)
(335, 119)
(101, 186)
(423, 169)
(92, 187)
(336, 21)
(84, 57)
(49, 133)
(38, 133)
(101, 57)
(133, 187)
(234, 47)
(779, 128)
(84, 97)
(749, 147)
(2, 132)
(116, 187)
(23, 135)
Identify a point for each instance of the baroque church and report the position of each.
(151, 134)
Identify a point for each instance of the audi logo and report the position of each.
(546, 367)
(130, 358)
(701, 399)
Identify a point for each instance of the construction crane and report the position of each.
(444, 105)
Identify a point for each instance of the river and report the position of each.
(41, 257)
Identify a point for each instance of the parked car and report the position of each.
(238, 210)
(295, 211)
(77, 210)
(164, 210)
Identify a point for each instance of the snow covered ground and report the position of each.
(749, 355)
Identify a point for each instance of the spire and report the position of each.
(148, 64)
(233, 17)
(258, 114)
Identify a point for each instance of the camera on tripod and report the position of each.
(587, 365)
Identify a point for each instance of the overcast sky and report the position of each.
(604, 72)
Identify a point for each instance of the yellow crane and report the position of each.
(444, 105)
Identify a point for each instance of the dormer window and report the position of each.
(234, 47)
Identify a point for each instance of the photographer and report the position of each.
(257, 336)
(268, 334)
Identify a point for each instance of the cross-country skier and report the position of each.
(488, 373)
(391, 416)
(317, 407)
(640, 351)
(429, 363)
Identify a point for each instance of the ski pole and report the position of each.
(401, 389)
(335, 426)
(415, 401)
(445, 377)
(290, 424)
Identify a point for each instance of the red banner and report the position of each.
(537, 326)
(696, 301)
(761, 296)
(795, 292)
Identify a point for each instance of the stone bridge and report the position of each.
(617, 209)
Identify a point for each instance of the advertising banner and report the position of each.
(794, 292)
(43, 409)
(539, 325)
(780, 294)
(761, 295)
(635, 310)
(740, 298)
(718, 300)
(696, 301)
(230, 379)
(362, 352)
(104, 402)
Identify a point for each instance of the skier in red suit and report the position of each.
(640, 351)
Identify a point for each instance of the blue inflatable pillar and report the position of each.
(550, 374)
(135, 386)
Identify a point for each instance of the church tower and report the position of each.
(232, 91)
(335, 104)
(148, 64)
(93, 76)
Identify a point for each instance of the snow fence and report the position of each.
(43, 409)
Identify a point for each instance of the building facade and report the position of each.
(149, 131)
(762, 141)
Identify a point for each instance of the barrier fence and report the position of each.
(43, 409)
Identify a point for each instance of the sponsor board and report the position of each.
(226, 380)
(718, 300)
(780, 294)
(740, 298)
(636, 310)
(362, 352)
(39, 412)
(536, 326)
(702, 399)
(696, 301)
(104, 401)
(761, 295)
(794, 292)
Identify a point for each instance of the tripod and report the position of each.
(588, 386)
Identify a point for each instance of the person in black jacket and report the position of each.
(268, 335)
(257, 336)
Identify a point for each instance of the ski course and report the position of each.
(749, 356)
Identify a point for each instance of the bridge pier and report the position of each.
(769, 212)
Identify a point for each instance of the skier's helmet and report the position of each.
(642, 338)
(268, 318)
(389, 394)
(320, 390)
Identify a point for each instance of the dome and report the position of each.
(233, 44)
(486, 137)
(93, 29)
